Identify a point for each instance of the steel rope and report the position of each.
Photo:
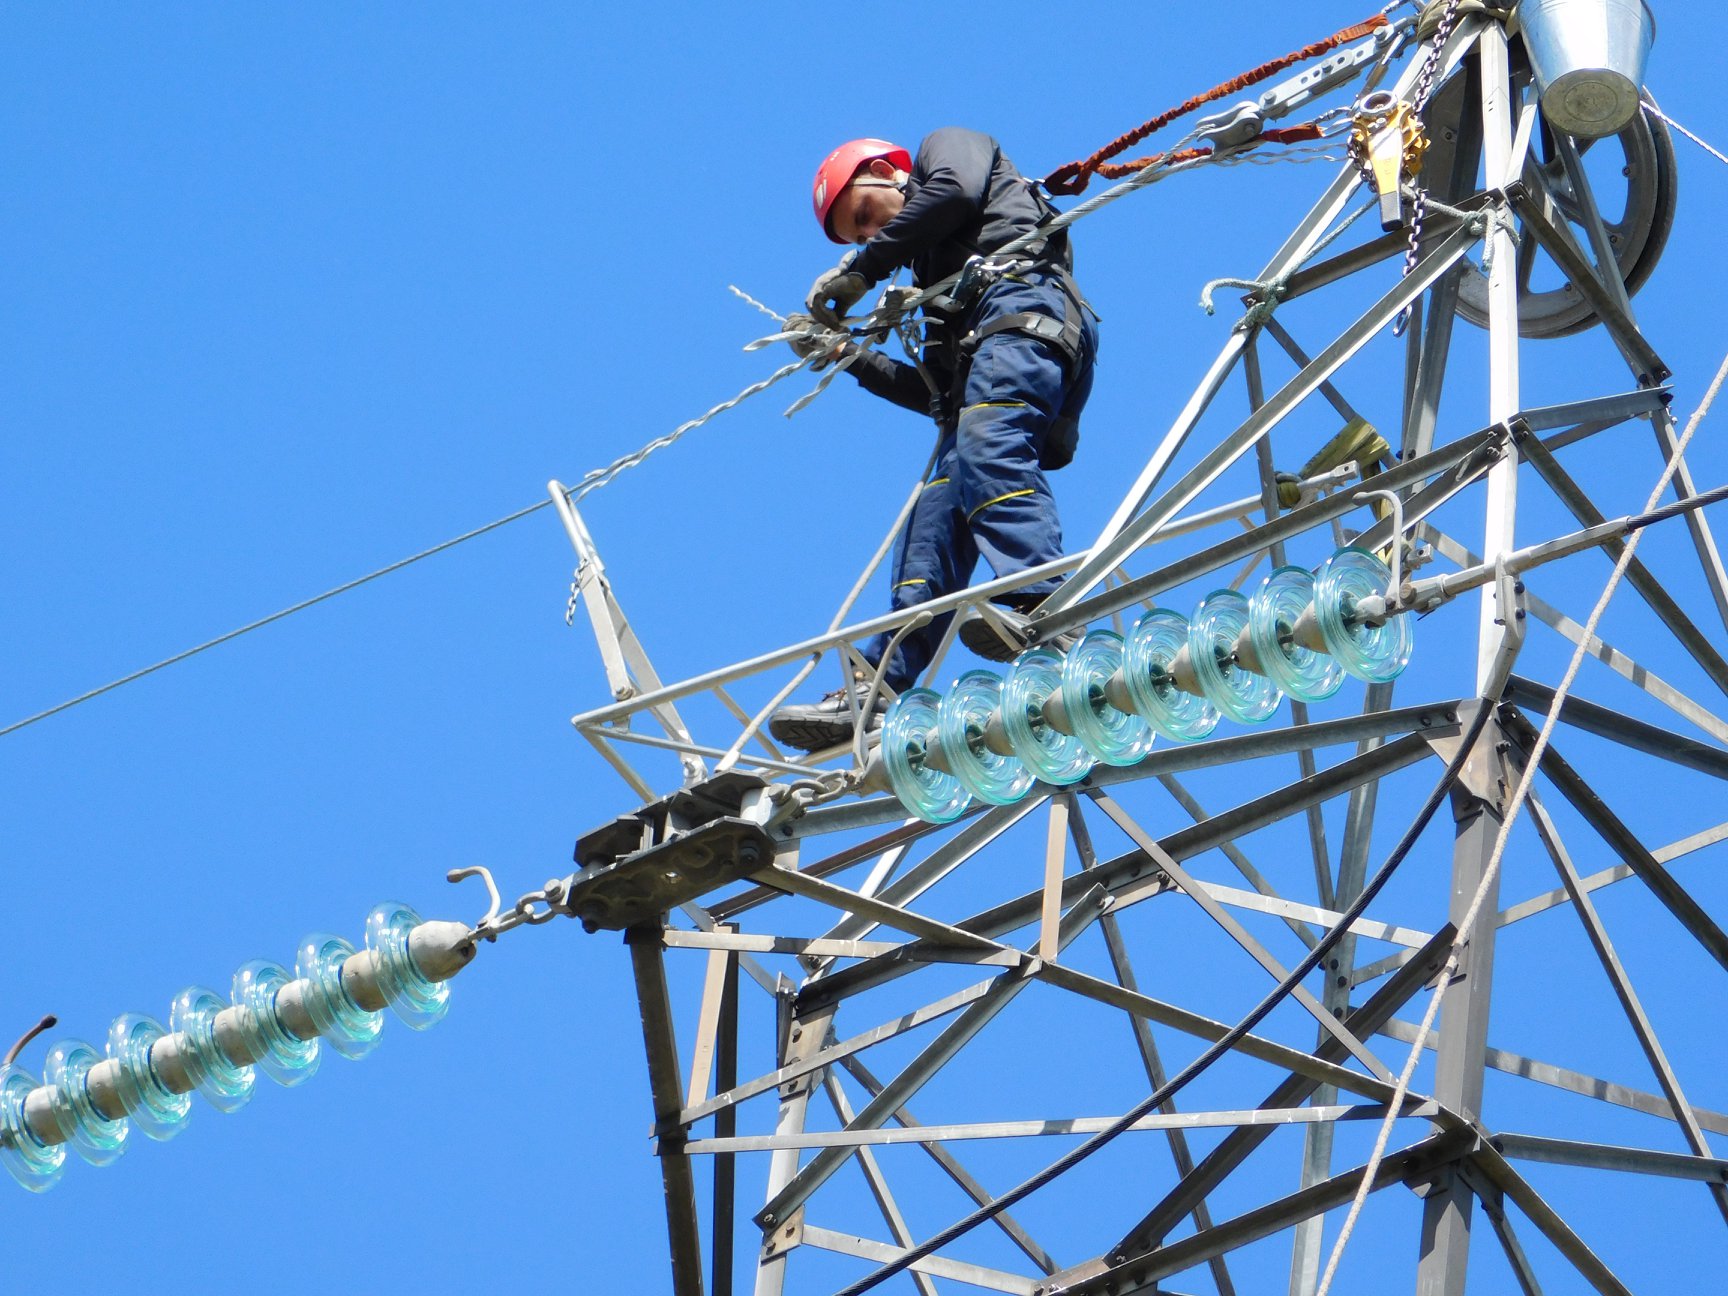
(591, 482)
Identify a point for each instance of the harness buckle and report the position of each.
(979, 273)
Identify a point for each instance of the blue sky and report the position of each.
(296, 292)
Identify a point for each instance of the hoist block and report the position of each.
(1387, 143)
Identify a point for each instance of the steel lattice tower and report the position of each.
(917, 979)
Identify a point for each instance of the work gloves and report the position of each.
(809, 341)
(835, 292)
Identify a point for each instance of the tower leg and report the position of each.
(804, 1037)
(1478, 807)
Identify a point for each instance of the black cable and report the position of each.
(1225, 1042)
(1678, 507)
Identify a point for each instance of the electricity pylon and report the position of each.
(959, 999)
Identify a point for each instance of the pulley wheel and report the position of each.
(1632, 176)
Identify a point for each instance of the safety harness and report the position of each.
(1064, 336)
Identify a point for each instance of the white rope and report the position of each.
(1657, 112)
(1471, 915)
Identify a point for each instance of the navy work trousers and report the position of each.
(986, 494)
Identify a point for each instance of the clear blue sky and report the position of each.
(294, 292)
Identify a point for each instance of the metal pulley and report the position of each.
(1387, 143)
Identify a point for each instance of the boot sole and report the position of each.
(978, 636)
(811, 735)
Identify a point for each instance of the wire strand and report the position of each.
(590, 482)
(272, 618)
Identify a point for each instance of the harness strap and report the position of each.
(1063, 334)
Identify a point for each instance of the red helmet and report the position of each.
(842, 164)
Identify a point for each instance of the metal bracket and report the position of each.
(669, 852)
(1509, 600)
(784, 1237)
(1395, 507)
(1239, 125)
(1301, 90)
(1234, 128)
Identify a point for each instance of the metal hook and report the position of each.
(1397, 546)
(484, 926)
(47, 1023)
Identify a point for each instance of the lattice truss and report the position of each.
(862, 1026)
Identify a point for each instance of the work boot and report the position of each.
(816, 726)
(980, 634)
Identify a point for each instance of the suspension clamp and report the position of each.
(670, 852)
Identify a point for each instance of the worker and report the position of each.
(1007, 359)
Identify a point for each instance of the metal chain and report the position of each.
(527, 911)
(1425, 78)
(1419, 101)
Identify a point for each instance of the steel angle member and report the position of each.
(1109, 553)
(1383, 248)
(1237, 1146)
(1598, 1088)
(878, 1252)
(1608, 1156)
(1495, 1168)
(1141, 1273)
(932, 1058)
(1464, 458)
(1134, 867)
(1620, 839)
(1557, 243)
(1640, 577)
(1598, 411)
(1617, 727)
(895, 841)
